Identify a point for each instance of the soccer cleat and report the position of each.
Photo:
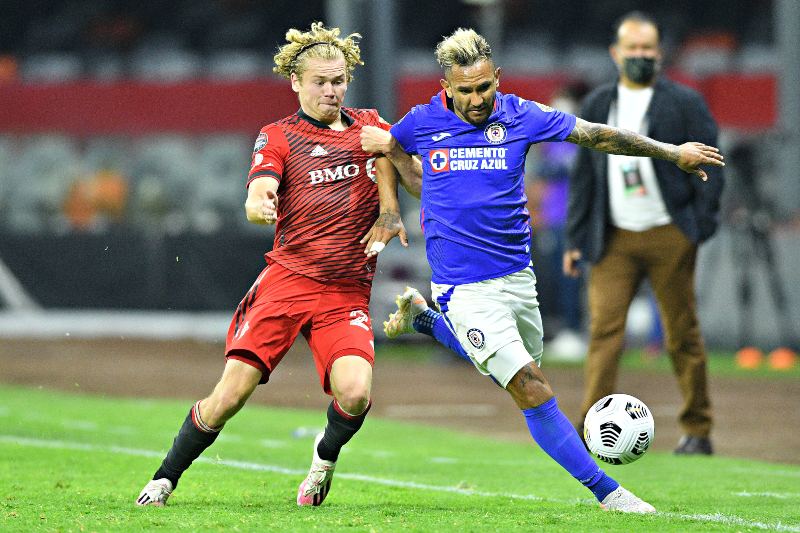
(623, 500)
(409, 305)
(155, 493)
(317, 484)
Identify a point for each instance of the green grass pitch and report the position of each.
(77, 463)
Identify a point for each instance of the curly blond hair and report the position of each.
(318, 43)
(464, 47)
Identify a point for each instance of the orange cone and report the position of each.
(782, 359)
(749, 357)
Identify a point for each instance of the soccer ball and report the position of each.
(618, 429)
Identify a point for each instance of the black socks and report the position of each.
(192, 439)
(195, 436)
(340, 429)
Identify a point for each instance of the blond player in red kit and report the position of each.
(309, 176)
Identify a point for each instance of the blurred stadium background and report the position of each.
(126, 129)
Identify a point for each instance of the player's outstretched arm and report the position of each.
(379, 141)
(261, 205)
(688, 156)
(389, 224)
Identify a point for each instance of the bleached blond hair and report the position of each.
(464, 47)
(317, 43)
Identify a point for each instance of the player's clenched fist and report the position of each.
(269, 207)
(376, 140)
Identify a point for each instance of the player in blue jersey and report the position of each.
(472, 141)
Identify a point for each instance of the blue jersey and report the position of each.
(473, 210)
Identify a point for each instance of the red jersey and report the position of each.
(327, 197)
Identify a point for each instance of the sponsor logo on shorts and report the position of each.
(239, 334)
(476, 338)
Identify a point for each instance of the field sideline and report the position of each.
(76, 462)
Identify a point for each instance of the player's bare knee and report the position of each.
(351, 381)
(352, 393)
(354, 400)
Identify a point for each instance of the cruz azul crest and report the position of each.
(495, 133)
(476, 338)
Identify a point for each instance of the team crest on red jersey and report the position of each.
(261, 141)
(439, 159)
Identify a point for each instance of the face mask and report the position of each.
(639, 70)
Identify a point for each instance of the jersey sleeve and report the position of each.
(269, 154)
(403, 131)
(543, 123)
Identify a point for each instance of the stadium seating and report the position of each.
(38, 180)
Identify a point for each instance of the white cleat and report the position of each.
(155, 493)
(409, 305)
(315, 487)
(623, 500)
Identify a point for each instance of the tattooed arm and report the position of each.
(389, 224)
(688, 156)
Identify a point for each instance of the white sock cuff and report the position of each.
(198, 421)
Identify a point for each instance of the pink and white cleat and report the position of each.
(155, 493)
(317, 484)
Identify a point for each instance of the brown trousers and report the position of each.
(667, 258)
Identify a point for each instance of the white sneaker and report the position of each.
(155, 493)
(409, 305)
(315, 487)
(625, 501)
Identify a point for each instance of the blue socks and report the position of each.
(433, 324)
(548, 426)
(555, 435)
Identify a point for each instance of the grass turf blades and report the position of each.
(75, 462)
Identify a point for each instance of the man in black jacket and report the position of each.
(636, 218)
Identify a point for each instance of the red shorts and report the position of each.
(332, 316)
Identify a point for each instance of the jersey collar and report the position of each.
(347, 119)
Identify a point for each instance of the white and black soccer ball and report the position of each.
(618, 429)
